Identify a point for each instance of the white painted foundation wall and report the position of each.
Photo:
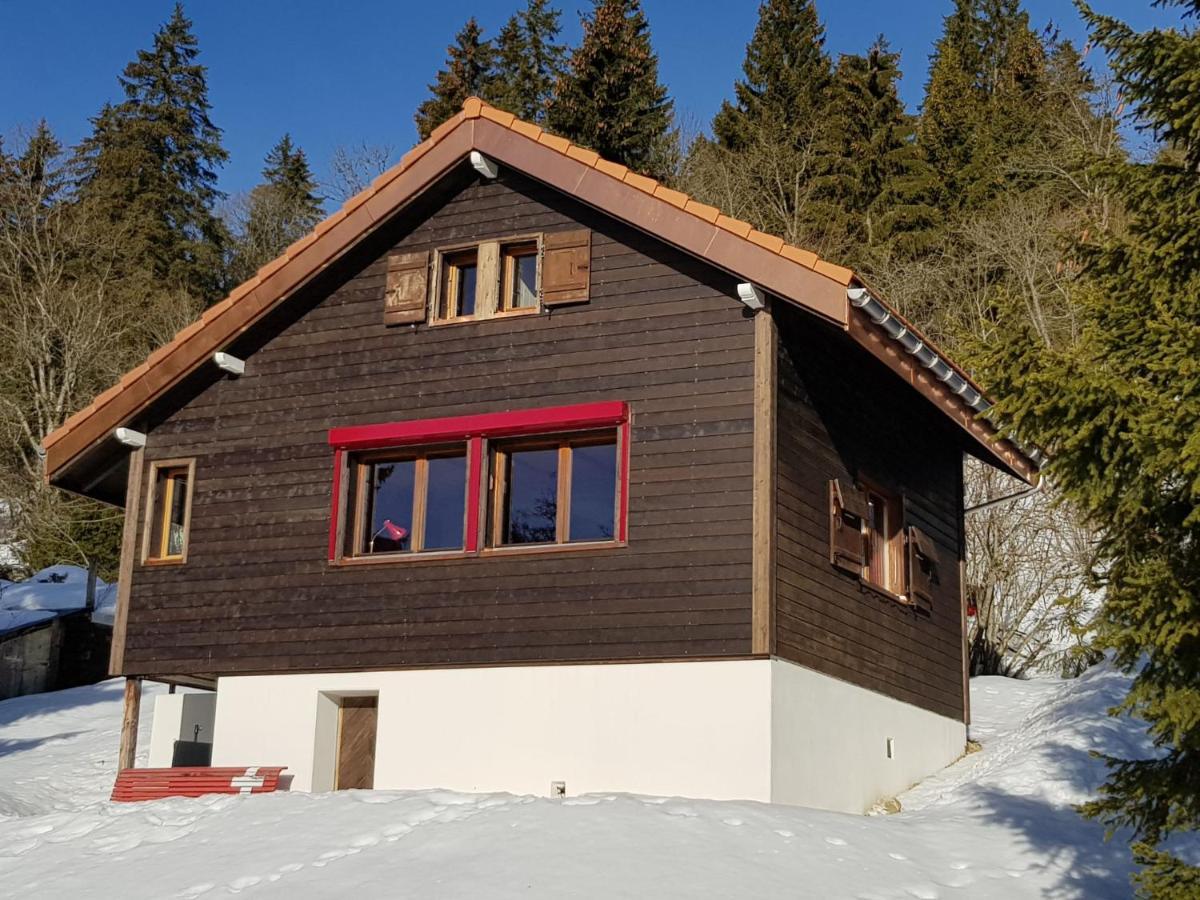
(763, 730)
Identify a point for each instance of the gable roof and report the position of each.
(798, 276)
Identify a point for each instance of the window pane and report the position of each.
(524, 288)
(445, 503)
(593, 492)
(531, 497)
(466, 289)
(390, 507)
(176, 514)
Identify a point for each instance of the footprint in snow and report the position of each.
(582, 801)
(835, 841)
(685, 811)
(395, 832)
(784, 833)
(365, 840)
(195, 891)
(733, 822)
(240, 884)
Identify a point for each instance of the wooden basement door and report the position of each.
(356, 743)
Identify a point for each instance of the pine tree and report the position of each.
(150, 165)
(529, 61)
(787, 78)
(281, 210)
(610, 98)
(881, 180)
(1119, 413)
(469, 72)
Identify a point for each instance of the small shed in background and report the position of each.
(55, 631)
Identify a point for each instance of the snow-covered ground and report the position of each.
(998, 824)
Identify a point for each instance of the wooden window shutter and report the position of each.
(566, 267)
(922, 565)
(406, 299)
(847, 510)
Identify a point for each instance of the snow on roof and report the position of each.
(52, 592)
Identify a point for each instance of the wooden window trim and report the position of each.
(351, 443)
(895, 577)
(533, 243)
(355, 506)
(188, 465)
(490, 280)
(565, 443)
(447, 263)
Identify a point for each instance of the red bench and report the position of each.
(154, 784)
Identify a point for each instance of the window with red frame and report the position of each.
(556, 476)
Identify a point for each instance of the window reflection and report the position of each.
(531, 497)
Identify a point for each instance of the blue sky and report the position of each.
(340, 73)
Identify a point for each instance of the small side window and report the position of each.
(169, 511)
(884, 541)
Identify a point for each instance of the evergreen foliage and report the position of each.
(150, 166)
(610, 98)
(983, 99)
(281, 210)
(1119, 413)
(469, 72)
(882, 181)
(787, 79)
(529, 61)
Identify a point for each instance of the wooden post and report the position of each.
(133, 495)
(129, 723)
(762, 613)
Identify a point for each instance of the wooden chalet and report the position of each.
(525, 472)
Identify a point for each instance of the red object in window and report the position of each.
(972, 610)
(393, 531)
(472, 430)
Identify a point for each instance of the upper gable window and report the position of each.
(459, 285)
(519, 277)
(491, 279)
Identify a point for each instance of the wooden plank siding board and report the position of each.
(662, 331)
(841, 414)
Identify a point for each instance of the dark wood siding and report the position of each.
(842, 414)
(662, 331)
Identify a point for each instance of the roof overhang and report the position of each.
(84, 446)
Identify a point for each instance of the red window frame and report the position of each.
(474, 431)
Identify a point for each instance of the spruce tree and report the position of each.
(880, 178)
(150, 165)
(529, 61)
(281, 210)
(787, 78)
(610, 98)
(983, 99)
(469, 72)
(1119, 413)
(778, 154)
